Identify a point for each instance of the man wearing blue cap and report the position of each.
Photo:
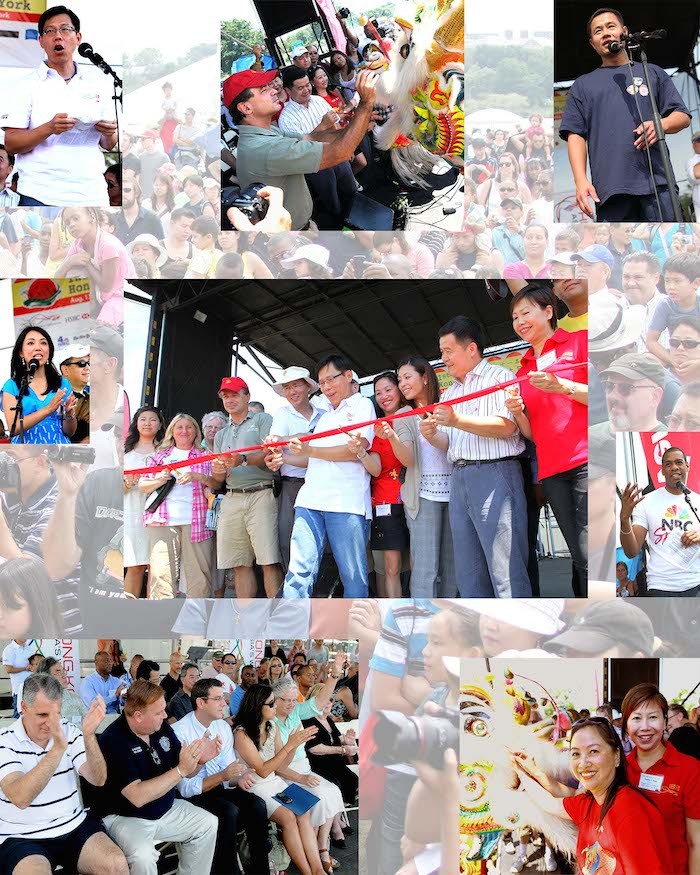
(595, 264)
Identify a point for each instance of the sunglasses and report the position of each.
(269, 704)
(678, 342)
(624, 389)
(81, 364)
(229, 662)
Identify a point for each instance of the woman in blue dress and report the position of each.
(48, 391)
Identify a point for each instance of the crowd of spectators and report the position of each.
(131, 761)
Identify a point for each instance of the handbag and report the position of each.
(158, 496)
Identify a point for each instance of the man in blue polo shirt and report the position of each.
(145, 763)
(601, 123)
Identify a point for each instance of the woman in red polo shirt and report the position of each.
(384, 461)
(669, 778)
(619, 831)
(552, 410)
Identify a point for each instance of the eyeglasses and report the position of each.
(52, 31)
(329, 380)
(683, 423)
(81, 364)
(678, 342)
(625, 389)
(215, 699)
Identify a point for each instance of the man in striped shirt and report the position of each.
(488, 514)
(42, 821)
(333, 189)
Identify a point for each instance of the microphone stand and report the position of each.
(19, 411)
(692, 507)
(660, 133)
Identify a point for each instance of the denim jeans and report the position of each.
(15, 706)
(347, 533)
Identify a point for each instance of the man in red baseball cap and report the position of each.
(247, 528)
(267, 155)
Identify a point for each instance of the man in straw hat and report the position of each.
(298, 417)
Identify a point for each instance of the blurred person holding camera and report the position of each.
(29, 494)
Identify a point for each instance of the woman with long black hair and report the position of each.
(258, 744)
(48, 401)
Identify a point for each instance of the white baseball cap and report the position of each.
(541, 616)
(74, 351)
(311, 252)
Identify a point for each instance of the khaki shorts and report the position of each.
(247, 530)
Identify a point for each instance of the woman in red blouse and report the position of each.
(669, 778)
(619, 831)
(552, 410)
(383, 460)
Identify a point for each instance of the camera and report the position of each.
(79, 453)
(402, 739)
(248, 202)
(344, 12)
(9, 472)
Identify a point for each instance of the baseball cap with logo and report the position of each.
(74, 351)
(239, 82)
(298, 51)
(232, 384)
(604, 625)
(637, 366)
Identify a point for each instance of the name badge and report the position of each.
(383, 509)
(544, 361)
(651, 782)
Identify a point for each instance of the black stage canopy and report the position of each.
(573, 56)
(374, 324)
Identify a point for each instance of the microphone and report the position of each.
(684, 489)
(648, 34)
(32, 368)
(641, 35)
(85, 50)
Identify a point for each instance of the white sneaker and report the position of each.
(549, 860)
(519, 865)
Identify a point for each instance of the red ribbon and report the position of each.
(355, 426)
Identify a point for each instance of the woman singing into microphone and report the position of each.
(44, 395)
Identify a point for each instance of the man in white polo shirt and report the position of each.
(297, 418)
(334, 188)
(221, 783)
(58, 119)
(41, 757)
(334, 502)
(15, 661)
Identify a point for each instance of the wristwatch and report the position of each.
(245, 459)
